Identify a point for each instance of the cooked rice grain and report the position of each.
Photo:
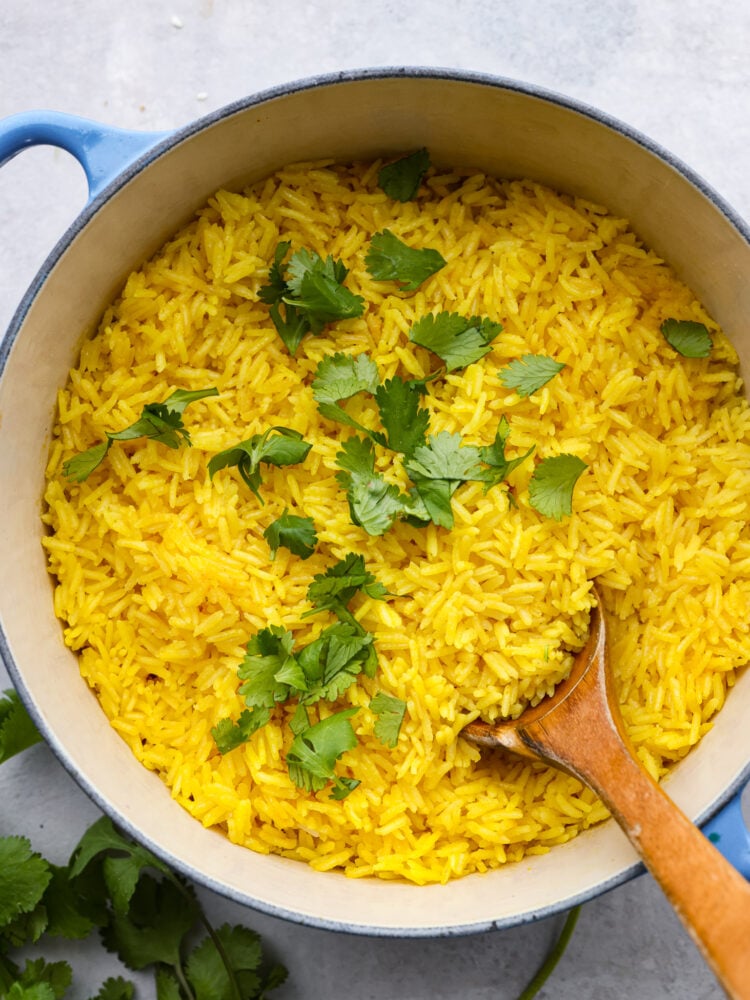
(163, 576)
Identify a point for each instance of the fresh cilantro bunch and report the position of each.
(274, 672)
(144, 913)
(160, 422)
(437, 464)
(311, 294)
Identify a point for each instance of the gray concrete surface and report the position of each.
(678, 70)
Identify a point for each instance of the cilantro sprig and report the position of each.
(459, 341)
(277, 446)
(274, 672)
(308, 296)
(160, 422)
(436, 464)
(144, 913)
(390, 259)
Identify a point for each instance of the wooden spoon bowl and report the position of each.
(579, 729)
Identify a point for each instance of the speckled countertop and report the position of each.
(678, 70)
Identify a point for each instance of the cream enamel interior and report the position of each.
(500, 129)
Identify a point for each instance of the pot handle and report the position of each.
(102, 150)
(729, 833)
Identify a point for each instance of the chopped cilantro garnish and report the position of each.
(457, 341)
(438, 468)
(160, 422)
(374, 503)
(390, 259)
(292, 532)
(551, 485)
(277, 446)
(404, 421)
(273, 671)
(268, 668)
(312, 295)
(691, 340)
(401, 179)
(529, 373)
(493, 455)
(314, 752)
(342, 376)
(390, 712)
(334, 589)
(331, 662)
(229, 735)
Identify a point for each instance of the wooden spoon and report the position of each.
(579, 729)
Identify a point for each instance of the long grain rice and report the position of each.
(163, 575)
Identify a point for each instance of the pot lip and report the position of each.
(7, 340)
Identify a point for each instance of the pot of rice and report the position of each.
(321, 421)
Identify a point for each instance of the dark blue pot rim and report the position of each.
(92, 208)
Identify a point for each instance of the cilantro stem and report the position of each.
(547, 967)
(236, 994)
(184, 984)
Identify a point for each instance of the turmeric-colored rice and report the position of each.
(163, 575)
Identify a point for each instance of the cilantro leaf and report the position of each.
(292, 532)
(277, 287)
(42, 980)
(167, 987)
(400, 180)
(269, 657)
(80, 466)
(551, 485)
(334, 589)
(277, 446)
(390, 712)
(25, 876)
(494, 456)
(373, 502)
(211, 977)
(312, 295)
(161, 422)
(457, 341)
(390, 259)
(229, 735)
(332, 662)
(116, 988)
(437, 469)
(691, 340)
(342, 376)
(404, 421)
(17, 731)
(314, 752)
(102, 842)
(529, 373)
(67, 912)
(152, 929)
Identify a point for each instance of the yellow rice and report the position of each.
(163, 576)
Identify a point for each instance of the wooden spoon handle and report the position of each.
(710, 897)
(585, 736)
